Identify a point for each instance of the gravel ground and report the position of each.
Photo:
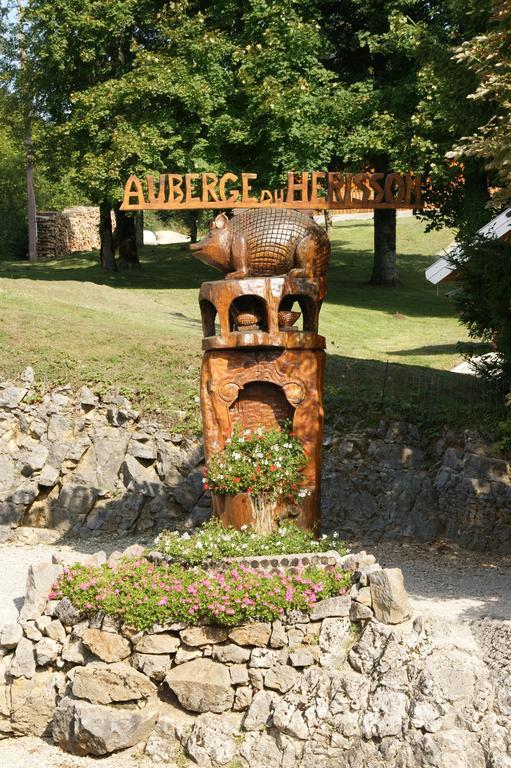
(465, 591)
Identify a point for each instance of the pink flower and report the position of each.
(163, 601)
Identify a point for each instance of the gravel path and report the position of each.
(458, 591)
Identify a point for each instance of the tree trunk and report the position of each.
(384, 265)
(31, 205)
(194, 224)
(139, 228)
(126, 235)
(107, 255)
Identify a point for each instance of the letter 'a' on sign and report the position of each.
(133, 189)
(317, 190)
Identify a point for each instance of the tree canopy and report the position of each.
(136, 86)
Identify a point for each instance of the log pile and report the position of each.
(60, 233)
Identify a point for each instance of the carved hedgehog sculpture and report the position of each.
(265, 241)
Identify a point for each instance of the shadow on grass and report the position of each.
(459, 347)
(365, 391)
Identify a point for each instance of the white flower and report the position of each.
(247, 432)
(243, 527)
(198, 545)
(185, 536)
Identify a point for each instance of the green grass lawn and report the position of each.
(139, 331)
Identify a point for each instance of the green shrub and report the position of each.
(261, 462)
(141, 593)
(213, 542)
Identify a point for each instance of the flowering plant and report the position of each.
(261, 462)
(213, 542)
(141, 593)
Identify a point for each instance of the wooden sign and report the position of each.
(317, 190)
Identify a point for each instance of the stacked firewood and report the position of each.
(62, 232)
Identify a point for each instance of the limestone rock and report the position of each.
(206, 635)
(102, 683)
(455, 748)
(56, 631)
(66, 613)
(106, 645)
(231, 654)
(202, 686)
(32, 632)
(257, 634)
(281, 678)
(212, 741)
(332, 606)
(40, 579)
(261, 750)
(74, 651)
(360, 612)
(387, 716)
(242, 698)
(162, 642)
(154, 666)
(239, 674)
(46, 651)
(288, 718)
(95, 729)
(10, 635)
(23, 663)
(185, 654)
(334, 635)
(262, 658)
(261, 710)
(11, 397)
(139, 478)
(33, 702)
(302, 657)
(389, 597)
(34, 460)
(278, 638)
(49, 477)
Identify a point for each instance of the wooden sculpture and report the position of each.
(265, 241)
(260, 367)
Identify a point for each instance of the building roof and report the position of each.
(442, 270)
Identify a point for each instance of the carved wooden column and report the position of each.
(263, 363)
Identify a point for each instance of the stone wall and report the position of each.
(309, 691)
(394, 483)
(76, 462)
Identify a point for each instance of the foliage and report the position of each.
(403, 99)
(12, 178)
(487, 55)
(215, 542)
(142, 594)
(484, 298)
(259, 462)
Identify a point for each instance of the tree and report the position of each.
(483, 298)
(488, 57)
(126, 87)
(279, 110)
(401, 95)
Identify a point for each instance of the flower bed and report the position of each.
(141, 593)
(213, 542)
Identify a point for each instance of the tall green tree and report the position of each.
(403, 97)
(126, 87)
(488, 55)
